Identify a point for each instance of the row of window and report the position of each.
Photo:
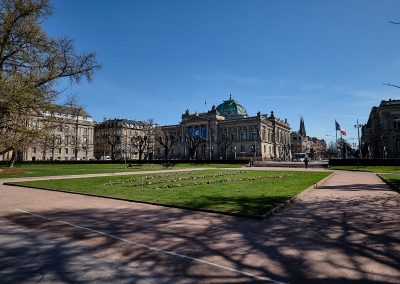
(119, 125)
(241, 149)
(281, 138)
(57, 151)
(57, 158)
(69, 140)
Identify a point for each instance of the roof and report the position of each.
(75, 110)
(390, 102)
(231, 107)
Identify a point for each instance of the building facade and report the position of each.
(228, 132)
(301, 143)
(70, 137)
(119, 139)
(381, 135)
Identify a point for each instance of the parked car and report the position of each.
(299, 157)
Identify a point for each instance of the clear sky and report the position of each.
(323, 60)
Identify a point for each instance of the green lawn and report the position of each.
(394, 179)
(374, 169)
(35, 170)
(238, 191)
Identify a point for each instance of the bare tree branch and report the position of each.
(391, 85)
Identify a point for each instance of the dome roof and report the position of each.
(231, 108)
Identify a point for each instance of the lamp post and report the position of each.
(256, 133)
(235, 151)
(358, 126)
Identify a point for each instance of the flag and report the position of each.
(338, 127)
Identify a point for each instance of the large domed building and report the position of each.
(228, 132)
(231, 109)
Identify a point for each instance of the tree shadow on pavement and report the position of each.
(340, 240)
(356, 186)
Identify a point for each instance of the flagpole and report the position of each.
(336, 144)
(341, 148)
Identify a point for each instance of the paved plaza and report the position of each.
(345, 231)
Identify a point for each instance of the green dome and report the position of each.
(231, 107)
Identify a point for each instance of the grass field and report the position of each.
(393, 179)
(374, 169)
(238, 191)
(36, 170)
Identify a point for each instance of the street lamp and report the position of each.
(235, 151)
(358, 126)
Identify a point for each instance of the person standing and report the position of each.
(306, 162)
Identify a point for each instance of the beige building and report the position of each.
(228, 132)
(381, 134)
(300, 143)
(119, 139)
(60, 143)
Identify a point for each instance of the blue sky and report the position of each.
(323, 60)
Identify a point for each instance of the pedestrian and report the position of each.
(306, 162)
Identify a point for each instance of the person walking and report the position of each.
(306, 162)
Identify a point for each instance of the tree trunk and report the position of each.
(166, 152)
(13, 158)
(76, 137)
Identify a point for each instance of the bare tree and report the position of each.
(165, 141)
(50, 143)
(77, 111)
(193, 143)
(113, 140)
(150, 132)
(390, 84)
(130, 148)
(140, 143)
(225, 143)
(375, 140)
(143, 142)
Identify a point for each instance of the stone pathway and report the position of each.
(346, 231)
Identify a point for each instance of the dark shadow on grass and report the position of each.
(256, 206)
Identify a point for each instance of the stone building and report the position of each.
(60, 142)
(301, 143)
(228, 132)
(119, 139)
(318, 147)
(381, 134)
